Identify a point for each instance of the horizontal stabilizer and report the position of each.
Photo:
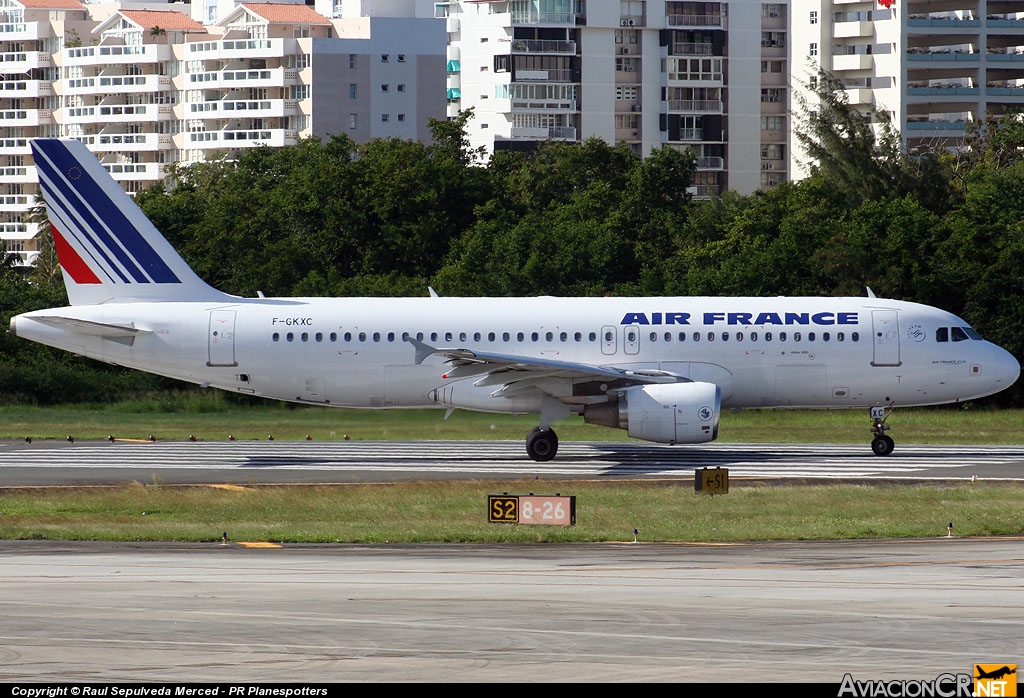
(94, 329)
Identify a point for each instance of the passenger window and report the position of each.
(767, 336)
(564, 336)
(796, 336)
(305, 336)
(419, 336)
(782, 336)
(362, 336)
(348, 336)
(276, 337)
(462, 336)
(520, 336)
(490, 336)
(725, 336)
(391, 336)
(433, 336)
(696, 336)
(607, 336)
(840, 336)
(711, 336)
(319, 336)
(447, 336)
(549, 336)
(290, 337)
(824, 336)
(534, 336)
(810, 336)
(682, 336)
(376, 336)
(578, 336)
(739, 336)
(334, 336)
(668, 336)
(505, 336)
(654, 336)
(593, 336)
(855, 336)
(753, 336)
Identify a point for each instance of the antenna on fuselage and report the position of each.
(433, 293)
(871, 294)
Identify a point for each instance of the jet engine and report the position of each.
(668, 413)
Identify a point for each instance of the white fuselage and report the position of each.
(350, 352)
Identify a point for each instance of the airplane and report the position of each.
(662, 368)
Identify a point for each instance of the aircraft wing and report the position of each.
(507, 369)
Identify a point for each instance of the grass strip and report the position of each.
(456, 512)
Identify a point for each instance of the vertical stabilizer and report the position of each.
(108, 249)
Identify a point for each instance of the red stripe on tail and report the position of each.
(73, 264)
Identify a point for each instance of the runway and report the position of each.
(758, 613)
(61, 463)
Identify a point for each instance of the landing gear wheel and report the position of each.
(883, 445)
(541, 444)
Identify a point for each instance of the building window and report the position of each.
(401, 58)
(814, 48)
(401, 87)
(353, 90)
(351, 61)
(384, 117)
(384, 58)
(401, 117)
(385, 87)
(352, 120)
(814, 16)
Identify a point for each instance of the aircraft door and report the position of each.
(222, 338)
(886, 330)
(631, 339)
(609, 339)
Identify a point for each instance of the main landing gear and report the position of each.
(882, 444)
(541, 444)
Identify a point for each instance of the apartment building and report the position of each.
(147, 85)
(710, 76)
(934, 65)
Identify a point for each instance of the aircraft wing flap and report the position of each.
(96, 329)
(505, 369)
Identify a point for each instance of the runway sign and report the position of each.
(711, 480)
(548, 510)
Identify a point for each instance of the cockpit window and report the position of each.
(956, 334)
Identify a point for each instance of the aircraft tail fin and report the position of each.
(108, 250)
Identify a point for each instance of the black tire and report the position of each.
(883, 445)
(542, 444)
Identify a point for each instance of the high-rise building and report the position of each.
(146, 87)
(934, 65)
(709, 76)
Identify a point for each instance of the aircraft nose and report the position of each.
(1007, 368)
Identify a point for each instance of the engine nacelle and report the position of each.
(668, 413)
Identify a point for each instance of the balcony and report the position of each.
(851, 30)
(17, 89)
(696, 21)
(704, 106)
(543, 76)
(135, 172)
(20, 31)
(688, 48)
(531, 17)
(544, 132)
(25, 117)
(18, 175)
(249, 138)
(15, 146)
(710, 163)
(235, 109)
(126, 142)
(543, 46)
(943, 55)
(110, 55)
(18, 231)
(857, 61)
(240, 48)
(12, 63)
(241, 79)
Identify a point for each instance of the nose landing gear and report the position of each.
(882, 444)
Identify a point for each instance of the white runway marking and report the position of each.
(507, 458)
